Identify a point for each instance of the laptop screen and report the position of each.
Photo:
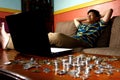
(29, 33)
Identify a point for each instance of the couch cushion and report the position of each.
(115, 33)
(103, 40)
(103, 51)
(67, 28)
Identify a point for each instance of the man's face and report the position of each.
(91, 17)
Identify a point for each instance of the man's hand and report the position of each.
(78, 20)
(107, 15)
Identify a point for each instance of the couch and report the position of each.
(107, 44)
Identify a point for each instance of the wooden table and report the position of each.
(18, 60)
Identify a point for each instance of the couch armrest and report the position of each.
(67, 28)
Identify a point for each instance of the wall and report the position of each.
(8, 7)
(115, 5)
(3, 14)
(67, 3)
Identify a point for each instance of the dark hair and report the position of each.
(96, 12)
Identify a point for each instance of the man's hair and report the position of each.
(96, 12)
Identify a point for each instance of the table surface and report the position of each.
(14, 61)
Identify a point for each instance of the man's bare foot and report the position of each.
(4, 36)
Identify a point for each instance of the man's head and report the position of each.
(93, 16)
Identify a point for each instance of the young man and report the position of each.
(89, 29)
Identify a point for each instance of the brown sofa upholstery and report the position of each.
(107, 44)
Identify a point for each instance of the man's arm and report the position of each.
(78, 20)
(107, 15)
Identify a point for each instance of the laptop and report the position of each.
(30, 35)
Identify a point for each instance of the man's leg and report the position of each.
(5, 38)
(61, 40)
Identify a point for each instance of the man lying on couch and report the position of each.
(88, 30)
